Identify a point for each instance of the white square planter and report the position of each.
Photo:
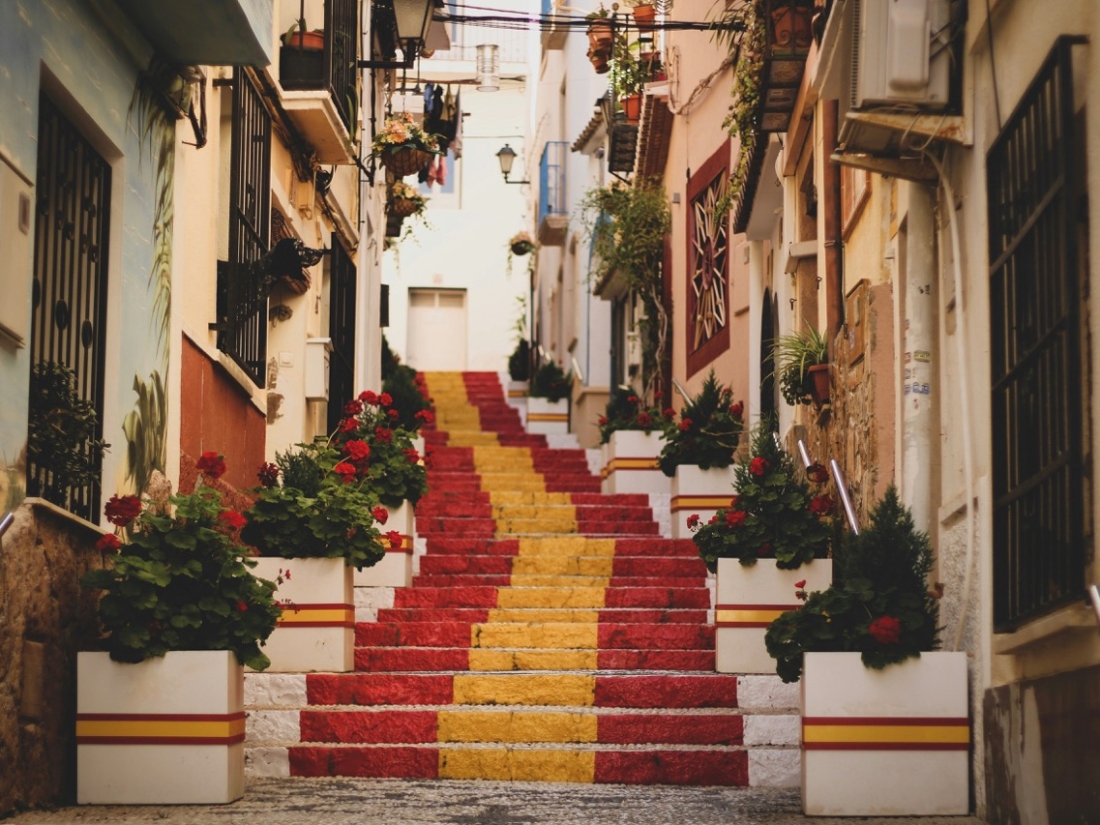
(698, 492)
(396, 567)
(748, 599)
(631, 463)
(316, 631)
(891, 742)
(169, 730)
(547, 417)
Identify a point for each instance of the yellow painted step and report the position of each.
(551, 597)
(502, 497)
(520, 764)
(530, 526)
(557, 690)
(543, 615)
(509, 726)
(531, 565)
(505, 660)
(566, 546)
(567, 580)
(567, 636)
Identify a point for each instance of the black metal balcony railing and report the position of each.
(303, 66)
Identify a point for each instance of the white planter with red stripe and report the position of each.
(316, 631)
(748, 599)
(396, 568)
(631, 463)
(890, 742)
(169, 730)
(546, 417)
(696, 491)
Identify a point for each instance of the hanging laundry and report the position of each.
(437, 170)
(456, 144)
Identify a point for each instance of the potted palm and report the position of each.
(885, 728)
(402, 146)
(698, 454)
(776, 530)
(548, 403)
(160, 713)
(632, 437)
(802, 362)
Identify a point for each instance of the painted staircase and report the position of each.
(550, 635)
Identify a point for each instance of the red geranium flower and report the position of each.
(357, 450)
(759, 466)
(385, 399)
(601, 420)
(211, 464)
(657, 395)
(412, 455)
(353, 408)
(349, 425)
(632, 399)
(394, 414)
(345, 471)
(822, 505)
(242, 606)
(713, 519)
(735, 518)
(800, 584)
(425, 416)
(766, 550)
(644, 419)
(381, 514)
(395, 539)
(670, 413)
(268, 474)
(693, 521)
(121, 511)
(817, 473)
(368, 397)
(886, 630)
(737, 409)
(232, 519)
(685, 424)
(382, 435)
(108, 543)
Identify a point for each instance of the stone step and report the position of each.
(427, 659)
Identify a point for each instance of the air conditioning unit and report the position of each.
(900, 56)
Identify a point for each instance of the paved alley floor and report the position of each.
(340, 801)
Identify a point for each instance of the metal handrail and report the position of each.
(6, 522)
(841, 487)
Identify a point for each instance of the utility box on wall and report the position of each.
(316, 368)
(15, 255)
(902, 53)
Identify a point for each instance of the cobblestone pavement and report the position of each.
(405, 802)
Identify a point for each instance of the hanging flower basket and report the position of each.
(404, 160)
(404, 207)
(402, 146)
(522, 248)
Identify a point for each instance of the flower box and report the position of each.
(748, 599)
(395, 569)
(168, 730)
(517, 391)
(630, 463)
(696, 491)
(890, 742)
(316, 630)
(546, 417)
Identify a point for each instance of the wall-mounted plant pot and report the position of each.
(404, 160)
(644, 16)
(522, 248)
(599, 35)
(600, 59)
(819, 380)
(632, 107)
(302, 67)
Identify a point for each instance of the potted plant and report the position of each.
(802, 362)
(600, 39)
(404, 200)
(698, 454)
(402, 146)
(631, 434)
(876, 701)
(629, 74)
(521, 244)
(777, 529)
(548, 404)
(160, 714)
(302, 57)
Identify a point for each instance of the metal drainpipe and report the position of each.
(918, 360)
(833, 276)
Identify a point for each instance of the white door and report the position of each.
(437, 329)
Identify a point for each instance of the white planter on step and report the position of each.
(396, 568)
(631, 463)
(698, 492)
(748, 599)
(169, 730)
(316, 631)
(891, 742)
(547, 417)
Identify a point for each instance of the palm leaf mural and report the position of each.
(146, 430)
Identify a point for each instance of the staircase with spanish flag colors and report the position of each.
(550, 635)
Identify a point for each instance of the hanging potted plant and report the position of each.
(802, 363)
(632, 435)
(698, 454)
(885, 727)
(402, 146)
(776, 530)
(644, 15)
(182, 614)
(600, 39)
(405, 201)
(522, 244)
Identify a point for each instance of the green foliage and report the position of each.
(183, 583)
(794, 355)
(390, 361)
(629, 73)
(708, 432)
(519, 362)
(626, 411)
(878, 606)
(61, 440)
(775, 514)
(551, 383)
(146, 431)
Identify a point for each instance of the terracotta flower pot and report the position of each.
(819, 374)
(599, 34)
(599, 58)
(643, 16)
(632, 106)
(311, 41)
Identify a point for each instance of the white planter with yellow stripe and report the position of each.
(546, 417)
(396, 568)
(748, 599)
(316, 631)
(169, 730)
(631, 463)
(696, 491)
(890, 742)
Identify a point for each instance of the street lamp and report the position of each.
(488, 68)
(412, 18)
(507, 157)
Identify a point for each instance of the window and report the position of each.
(341, 331)
(69, 314)
(1036, 288)
(242, 305)
(708, 332)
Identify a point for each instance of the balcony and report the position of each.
(553, 218)
(317, 72)
(553, 36)
(205, 32)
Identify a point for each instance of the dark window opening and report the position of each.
(341, 330)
